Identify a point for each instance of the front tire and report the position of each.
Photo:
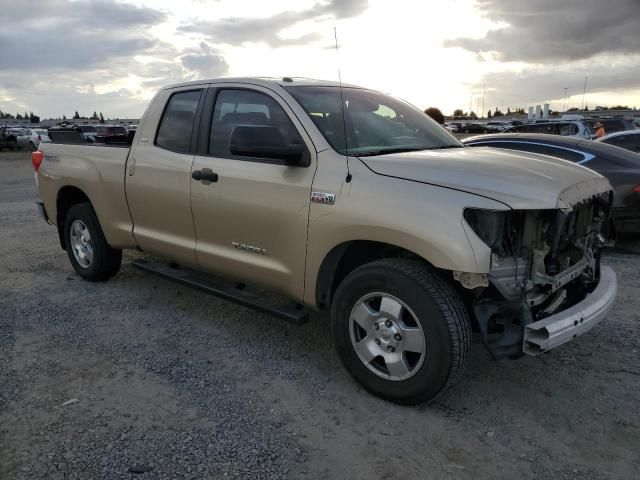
(89, 253)
(401, 330)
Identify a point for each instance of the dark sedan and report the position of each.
(111, 134)
(620, 166)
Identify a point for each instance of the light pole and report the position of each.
(564, 100)
(584, 92)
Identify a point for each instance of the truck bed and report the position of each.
(98, 172)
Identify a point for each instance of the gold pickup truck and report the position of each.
(347, 200)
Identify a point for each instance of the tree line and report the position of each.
(36, 118)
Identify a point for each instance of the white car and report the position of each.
(451, 127)
(36, 136)
(30, 138)
(499, 125)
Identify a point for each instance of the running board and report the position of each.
(224, 289)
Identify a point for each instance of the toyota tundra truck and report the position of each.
(347, 200)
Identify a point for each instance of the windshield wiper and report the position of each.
(386, 151)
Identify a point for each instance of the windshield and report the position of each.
(374, 123)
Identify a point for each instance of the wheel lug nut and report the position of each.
(397, 337)
(388, 323)
(391, 349)
(377, 341)
(376, 326)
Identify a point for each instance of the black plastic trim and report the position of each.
(224, 289)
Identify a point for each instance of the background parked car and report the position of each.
(33, 137)
(472, 127)
(452, 127)
(495, 126)
(612, 125)
(565, 129)
(89, 132)
(629, 140)
(111, 134)
(8, 139)
(620, 166)
(21, 137)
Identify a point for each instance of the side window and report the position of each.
(539, 128)
(567, 129)
(176, 125)
(245, 108)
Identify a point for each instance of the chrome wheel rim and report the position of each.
(387, 336)
(81, 243)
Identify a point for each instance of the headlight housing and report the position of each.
(489, 225)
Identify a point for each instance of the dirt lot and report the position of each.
(140, 374)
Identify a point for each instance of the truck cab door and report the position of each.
(251, 213)
(158, 178)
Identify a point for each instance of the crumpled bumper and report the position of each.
(557, 329)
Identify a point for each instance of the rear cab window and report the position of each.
(176, 125)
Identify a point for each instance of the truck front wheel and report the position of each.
(401, 330)
(90, 254)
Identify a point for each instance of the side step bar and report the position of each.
(224, 289)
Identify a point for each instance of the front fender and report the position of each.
(424, 219)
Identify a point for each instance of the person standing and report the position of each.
(600, 132)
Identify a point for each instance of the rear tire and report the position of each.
(412, 355)
(89, 253)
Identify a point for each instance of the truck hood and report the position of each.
(523, 181)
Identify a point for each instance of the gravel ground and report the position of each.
(142, 378)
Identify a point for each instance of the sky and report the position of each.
(110, 56)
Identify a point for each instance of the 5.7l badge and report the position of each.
(322, 197)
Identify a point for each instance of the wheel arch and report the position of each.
(67, 197)
(346, 257)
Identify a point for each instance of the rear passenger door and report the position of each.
(158, 179)
(251, 221)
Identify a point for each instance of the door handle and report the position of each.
(204, 175)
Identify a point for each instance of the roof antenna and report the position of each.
(344, 122)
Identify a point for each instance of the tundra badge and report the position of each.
(249, 248)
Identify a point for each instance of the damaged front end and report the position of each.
(544, 286)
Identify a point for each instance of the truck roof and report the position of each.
(265, 82)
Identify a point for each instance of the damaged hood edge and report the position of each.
(520, 180)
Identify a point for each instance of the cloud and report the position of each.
(55, 55)
(539, 84)
(267, 30)
(207, 62)
(556, 30)
(62, 34)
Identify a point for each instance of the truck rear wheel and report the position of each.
(90, 254)
(400, 330)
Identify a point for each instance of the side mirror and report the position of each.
(265, 141)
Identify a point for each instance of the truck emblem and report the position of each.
(322, 197)
(249, 248)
